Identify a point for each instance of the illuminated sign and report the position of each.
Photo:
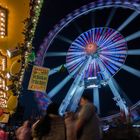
(3, 22)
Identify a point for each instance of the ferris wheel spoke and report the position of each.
(92, 20)
(77, 27)
(73, 88)
(76, 97)
(133, 36)
(96, 99)
(52, 54)
(58, 87)
(117, 57)
(128, 20)
(109, 68)
(90, 36)
(114, 45)
(131, 70)
(107, 39)
(121, 42)
(121, 92)
(105, 73)
(75, 61)
(78, 44)
(67, 40)
(94, 67)
(112, 13)
(93, 37)
(119, 101)
(114, 90)
(122, 52)
(74, 56)
(102, 36)
(84, 38)
(97, 31)
(113, 66)
(56, 69)
(73, 67)
(112, 61)
(134, 52)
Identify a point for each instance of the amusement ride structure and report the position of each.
(94, 55)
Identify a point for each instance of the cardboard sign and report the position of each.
(39, 79)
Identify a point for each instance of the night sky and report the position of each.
(52, 12)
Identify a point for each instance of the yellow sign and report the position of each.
(39, 79)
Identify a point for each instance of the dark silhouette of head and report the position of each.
(52, 109)
(43, 127)
(87, 96)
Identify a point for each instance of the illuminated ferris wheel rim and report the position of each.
(93, 6)
(76, 14)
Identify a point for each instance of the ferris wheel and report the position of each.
(93, 44)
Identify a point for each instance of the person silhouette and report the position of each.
(49, 127)
(87, 122)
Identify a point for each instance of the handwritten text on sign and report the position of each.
(39, 79)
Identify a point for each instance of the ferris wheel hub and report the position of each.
(91, 48)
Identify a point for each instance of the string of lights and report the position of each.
(3, 22)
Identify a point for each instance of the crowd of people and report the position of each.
(84, 124)
(81, 125)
